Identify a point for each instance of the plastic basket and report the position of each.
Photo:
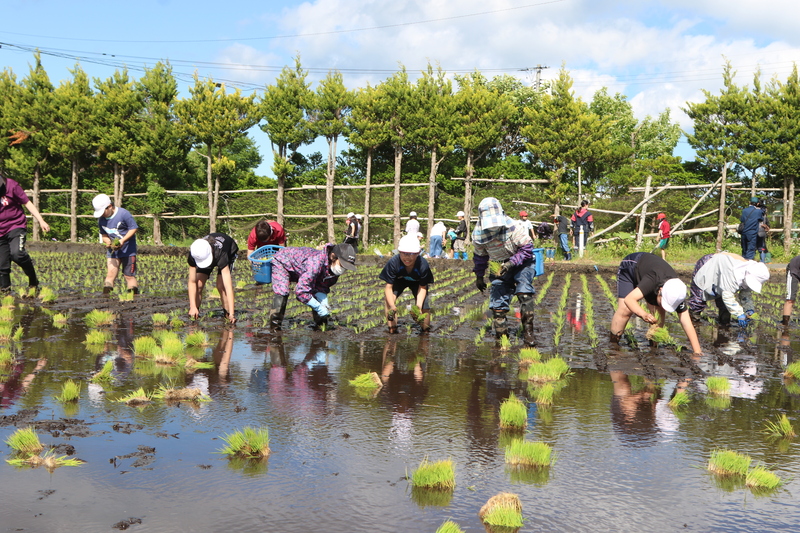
(261, 263)
(538, 254)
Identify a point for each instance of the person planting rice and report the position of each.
(118, 231)
(792, 282)
(729, 280)
(265, 232)
(645, 275)
(216, 250)
(409, 270)
(498, 238)
(314, 273)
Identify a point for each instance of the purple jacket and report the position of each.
(309, 268)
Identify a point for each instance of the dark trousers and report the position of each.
(12, 248)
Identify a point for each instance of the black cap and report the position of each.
(346, 255)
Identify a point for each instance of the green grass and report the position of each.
(513, 413)
(104, 376)
(97, 336)
(761, 478)
(196, 338)
(160, 319)
(70, 391)
(367, 380)
(47, 296)
(502, 510)
(25, 442)
(551, 370)
(782, 429)
(792, 370)
(525, 453)
(97, 317)
(680, 399)
(440, 475)
(249, 443)
(144, 346)
(728, 463)
(136, 397)
(449, 527)
(718, 385)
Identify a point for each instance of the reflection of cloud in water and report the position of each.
(96, 395)
(666, 421)
(744, 383)
(401, 431)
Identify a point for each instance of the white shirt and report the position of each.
(412, 226)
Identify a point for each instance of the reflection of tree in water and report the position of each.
(404, 386)
(633, 412)
(482, 412)
(120, 349)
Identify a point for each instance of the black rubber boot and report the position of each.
(107, 289)
(5, 282)
(569, 256)
(526, 313)
(319, 321)
(500, 323)
(613, 338)
(30, 271)
(277, 312)
(134, 290)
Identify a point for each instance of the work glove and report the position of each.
(504, 268)
(322, 298)
(318, 307)
(480, 283)
(742, 321)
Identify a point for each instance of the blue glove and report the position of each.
(322, 298)
(750, 313)
(314, 304)
(742, 321)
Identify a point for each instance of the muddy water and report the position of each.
(625, 461)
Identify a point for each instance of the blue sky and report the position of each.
(660, 54)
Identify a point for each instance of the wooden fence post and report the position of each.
(644, 213)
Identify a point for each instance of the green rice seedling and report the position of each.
(718, 385)
(368, 380)
(494, 267)
(126, 296)
(728, 463)
(528, 356)
(502, 510)
(104, 376)
(97, 336)
(478, 339)
(17, 335)
(6, 314)
(680, 399)
(196, 338)
(46, 295)
(6, 331)
(526, 453)
(176, 323)
(162, 335)
(97, 318)
(170, 393)
(25, 442)
(782, 429)
(718, 401)
(159, 319)
(449, 527)
(172, 347)
(241, 284)
(761, 478)
(137, 397)
(662, 337)
(543, 395)
(70, 391)
(248, 443)
(792, 370)
(551, 370)
(440, 475)
(144, 346)
(6, 357)
(49, 460)
(505, 343)
(60, 320)
(513, 413)
(8, 301)
(193, 364)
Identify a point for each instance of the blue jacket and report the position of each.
(751, 218)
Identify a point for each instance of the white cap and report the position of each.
(412, 214)
(673, 293)
(756, 275)
(460, 214)
(99, 203)
(409, 244)
(359, 217)
(201, 252)
(350, 214)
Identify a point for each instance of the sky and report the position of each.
(660, 54)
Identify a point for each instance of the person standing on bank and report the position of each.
(14, 230)
(216, 250)
(436, 244)
(751, 219)
(460, 244)
(563, 231)
(412, 226)
(663, 234)
(499, 238)
(523, 217)
(118, 231)
(264, 233)
(409, 270)
(351, 233)
(582, 218)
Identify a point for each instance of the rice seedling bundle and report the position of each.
(792, 370)
(6, 357)
(170, 393)
(8, 301)
(782, 429)
(505, 343)
(7, 331)
(97, 336)
(543, 395)
(367, 380)
(196, 338)
(104, 376)
(504, 510)
(727, 462)
(144, 346)
(126, 296)
(761, 478)
(513, 413)
(70, 391)
(440, 475)
(718, 385)
(159, 319)
(176, 323)
(680, 399)
(172, 347)
(661, 336)
(60, 320)
(551, 370)
(449, 527)
(161, 336)
(193, 364)
(494, 267)
(49, 460)
(137, 397)
(97, 317)
(248, 443)
(46, 295)
(526, 453)
(6, 314)
(25, 442)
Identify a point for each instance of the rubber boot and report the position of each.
(500, 323)
(569, 256)
(785, 321)
(319, 321)
(526, 314)
(5, 282)
(30, 271)
(614, 338)
(277, 311)
(107, 289)
(134, 290)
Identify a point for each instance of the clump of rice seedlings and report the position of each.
(159, 319)
(25, 442)
(137, 397)
(503, 510)
(718, 385)
(60, 320)
(46, 295)
(792, 370)
(70, 391)
(513, 413)
(162, 335)
(49, 460)
(544, 395)
(526, 453)
(478, 340)
(180, 394)
(241, 284)
(728, 463)
(176, 323)
(104, 375)
(8, 301)
(528, 356)
(97, 317)
(505, 343)
(97, 336)
(680, 399)
(6, 357)
(248, 443)
(761, 478)
(144, 346)
(718, 401)
(661, 336)
(449, 527)
(782, 429)
(6, 314)
(196, 338)
(494, 267)
(551, 370)
(368, 381)
(193, 364)
(8, 332)
(126, 296)
(440, 475)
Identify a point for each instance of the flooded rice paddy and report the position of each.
(625, 460)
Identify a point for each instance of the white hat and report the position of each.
(359, 217)
(350, 214)
(756, 275)
(201, 252)
(409, 244)
(99, 203)
(460, 214)
(673, 293)
(412, 214)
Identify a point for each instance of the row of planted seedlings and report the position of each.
(588, 303)
(559, 317)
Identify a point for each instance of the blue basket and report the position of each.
(538, 254)
(261, 263)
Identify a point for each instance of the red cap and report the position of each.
(523, 213)
(661, 215)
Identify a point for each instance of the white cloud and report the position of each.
(244, 61)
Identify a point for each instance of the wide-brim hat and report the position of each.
(491, 213)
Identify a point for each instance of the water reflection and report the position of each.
(404, 387)
(633, 410)
(13, 384)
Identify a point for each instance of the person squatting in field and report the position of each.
(118, 231)
(13, 230)
(498, 238)
(216, 250)
(409, 270)
(314, 273)
(264, 233)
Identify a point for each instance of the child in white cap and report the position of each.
(409, 270)
(216, 250)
